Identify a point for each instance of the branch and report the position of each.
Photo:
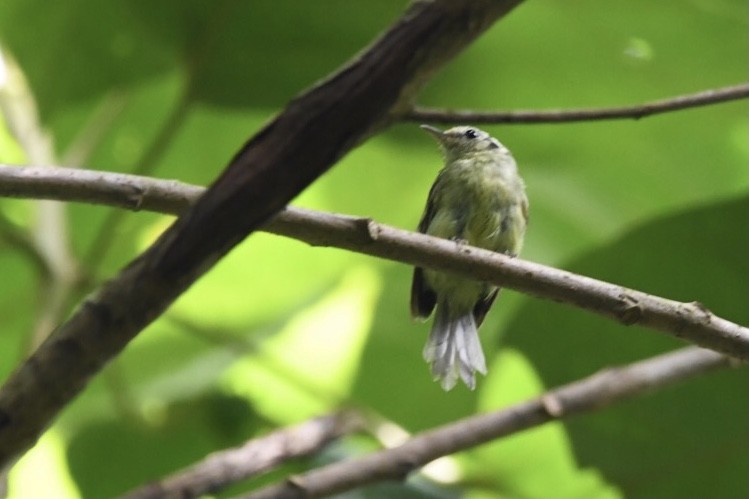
(704, 98)
(587, 395)
(689, 321)
(315, 130)
(221, 469)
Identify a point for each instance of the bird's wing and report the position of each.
(423, 298)
(483, 305)
(428, 215)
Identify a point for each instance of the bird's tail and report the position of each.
(454, 349)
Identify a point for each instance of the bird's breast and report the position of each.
(481, 204)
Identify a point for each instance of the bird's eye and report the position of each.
(471, 133)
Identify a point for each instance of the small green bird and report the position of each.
(478, 199)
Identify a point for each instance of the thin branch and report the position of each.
(257, 456)
(120, 190)
(704, 98)
(314, 131)
(689, 321)
(587, 395)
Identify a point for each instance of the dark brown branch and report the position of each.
(301, 143)
(257, 456)
(704, 98)
(690, 321)
(590, 394)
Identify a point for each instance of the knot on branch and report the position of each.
(552, 404)
(134, 196)
(629, 311)
(369, 228)
(700, 312)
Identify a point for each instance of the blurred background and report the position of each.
(279, 332)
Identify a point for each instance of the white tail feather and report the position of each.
(453, 349)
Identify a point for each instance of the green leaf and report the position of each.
(112, 456)
(673, 443)
(539, 462)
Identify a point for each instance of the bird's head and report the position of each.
(463, 141)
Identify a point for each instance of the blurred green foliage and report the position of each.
(279, 331)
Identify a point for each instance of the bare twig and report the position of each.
(221, 469)
(698, 99)
(315, 130)
(586, 395)
(690, 321)
(121, 190)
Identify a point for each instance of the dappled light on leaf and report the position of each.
(308, 368)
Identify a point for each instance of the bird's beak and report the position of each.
(436, 132)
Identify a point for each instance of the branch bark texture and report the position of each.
(589, 394)
(690, 321)
(314, 130)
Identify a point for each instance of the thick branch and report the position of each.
(690, 321)
(221, 469)
(704, 98)
(301, 143)
(589, 394)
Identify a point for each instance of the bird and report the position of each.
(478, 199)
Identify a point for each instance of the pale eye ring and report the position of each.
(470, 134)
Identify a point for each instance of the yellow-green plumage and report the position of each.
(478, 199)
